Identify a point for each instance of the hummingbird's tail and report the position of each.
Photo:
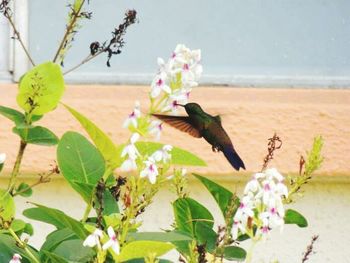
(232, 156)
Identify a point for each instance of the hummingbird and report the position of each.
(200, 124)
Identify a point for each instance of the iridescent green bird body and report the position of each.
(199, 124)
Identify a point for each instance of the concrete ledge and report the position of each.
(250, 116)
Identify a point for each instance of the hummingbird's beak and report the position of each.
(177, 104)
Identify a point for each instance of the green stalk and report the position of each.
(22, 244)
(16, 167)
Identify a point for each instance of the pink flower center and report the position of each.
(273, 210)
(173, 55)
(267, 187)
(114, 238)
(265, 229)
(160, 127)
(236, 222)
(159, 82)
(186, 67)
(151, 168)
(132, 115)
(175, 103)
(241, 206)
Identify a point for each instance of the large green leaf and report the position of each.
(159, 236)
(12, 114)
(57, 237)
(57, 218)
(7, 206)
(8, 247)
(222, 196)
(80, 162)
(179, 156)
(105, 145)
(74, 251)
(37, 135)
(141, 249)
(234, 253)
(53, 257)
(294, 217)
(205, 235)
(188, 212)
(41, 88)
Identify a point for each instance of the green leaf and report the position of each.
(205, 235)
(57, 237)
(53, 257)
(8, 247)
(74, 251)
(294, 217)
(141, 249)
(159, 236)
(27, 191)
(36, 135)
(7, 206)
(80, 162)
(188, 212)
(105, 145)
(41, 88)
(234, 253)
(57, 218)
(110, 204)
(12, 114)
(221, 195)
(178, 156)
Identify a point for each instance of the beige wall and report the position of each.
(250, 116)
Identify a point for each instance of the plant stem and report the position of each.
(43, 179)
(68, 30)
(85, 60)
(24, 245)
(15, 31)
(87, 212)
(17, 165)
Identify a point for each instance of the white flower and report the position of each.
(150, 171)
(178, 97)
(155, 128)
(2, 158)
(133, 116)
(159, 84)
(163, 154)
(94, 239)
(16, 258)
(131, 151)
(112, 242)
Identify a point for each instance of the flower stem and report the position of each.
(16, 167)
(22, 244)
(87, 212)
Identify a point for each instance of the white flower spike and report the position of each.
(133, 116)
(132, 153)
(112, 242)
(93, 239)
(16, 258)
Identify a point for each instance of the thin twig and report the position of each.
(309, 249)
(16, 166)
(85, 60)
(7, 13)
(42, 180)
(274, 143)
(69, 30)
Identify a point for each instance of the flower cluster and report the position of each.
(176, 78)
(261, 206)
(174, 81)
(94, 240)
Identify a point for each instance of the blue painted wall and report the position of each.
(283, 42)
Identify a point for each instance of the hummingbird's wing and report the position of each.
(181, 123)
